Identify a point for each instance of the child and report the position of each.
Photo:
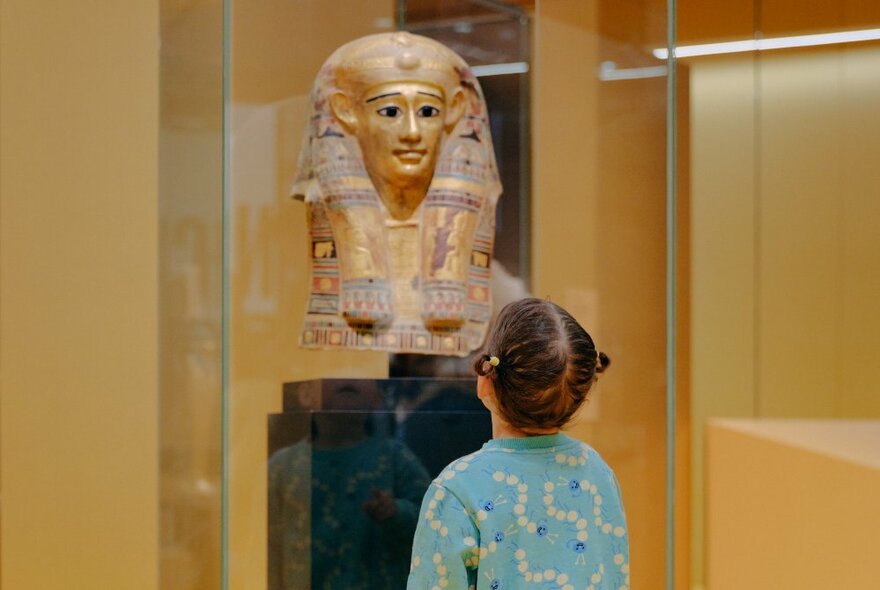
(534, 508)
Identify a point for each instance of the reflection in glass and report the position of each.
(345, 487)
(190, 267)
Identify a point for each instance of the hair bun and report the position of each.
(602, 362)
(483, 364)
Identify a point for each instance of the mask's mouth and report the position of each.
(408, 156)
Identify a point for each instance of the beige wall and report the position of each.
(819, 265)
(786, 271)
(78, 296)
(565, 150)
(722, 280)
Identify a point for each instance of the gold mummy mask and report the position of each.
(399, 179)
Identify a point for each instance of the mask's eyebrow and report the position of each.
(440, 98)
(382, 96)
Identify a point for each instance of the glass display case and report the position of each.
(579, 111)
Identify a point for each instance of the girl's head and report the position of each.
(541, 364)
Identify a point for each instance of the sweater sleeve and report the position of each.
(446, 544)
(410, 482)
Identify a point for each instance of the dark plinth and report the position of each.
(437, 419)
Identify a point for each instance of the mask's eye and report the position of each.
(428, 111)
(391, 111)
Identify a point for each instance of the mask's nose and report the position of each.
(411, 131)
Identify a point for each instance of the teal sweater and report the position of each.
(541, 512)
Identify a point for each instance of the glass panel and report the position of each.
(600, 170)
(277, 49)
(784, 325)
(598, 218)
(190, 204)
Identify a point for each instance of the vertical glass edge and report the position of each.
(671, 272)
(525, 168)
(401, 15)
(225, 293)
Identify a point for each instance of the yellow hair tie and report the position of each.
(494, 361)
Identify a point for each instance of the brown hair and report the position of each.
(546, 364)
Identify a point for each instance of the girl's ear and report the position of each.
(486, 392)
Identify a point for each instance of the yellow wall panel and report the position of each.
(722, 277)
(857, 347)
(786, 256)
(78, 258)
(798, 231)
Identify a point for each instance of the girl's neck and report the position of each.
(502, 429)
